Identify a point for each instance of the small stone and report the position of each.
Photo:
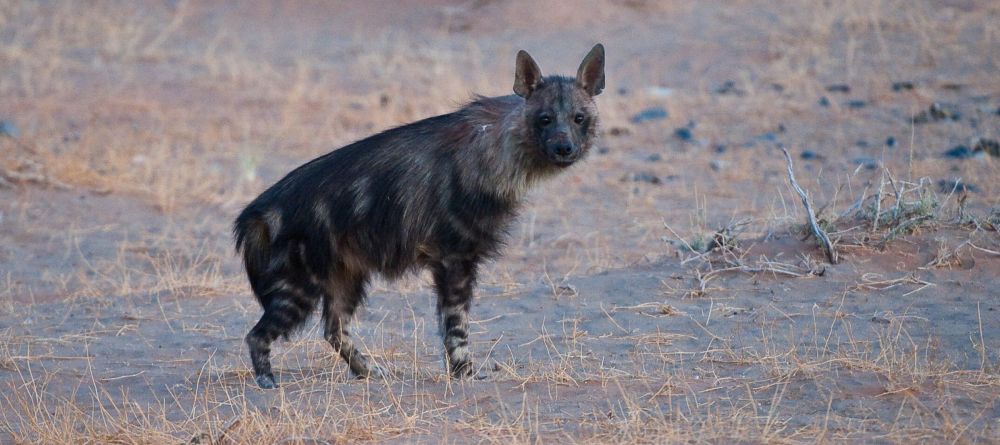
(655, 157)
(881, 320)
(729, 87)
(568, 288)
(720, 148)
(603, 150)
(824, 102)
(902, 86)
(618, 131)
(839, 88)
(890, 142)
(861, 143)
(768, 137)
(684, 134)
(717, 165)
(659, 91)
(646, 177)
(936, 112)
(856, 104)
(959, 152)
(650, 114)
(7, 128)
(866, 162)
(809, 155)
(956, 185)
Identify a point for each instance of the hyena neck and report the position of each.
(504, 155)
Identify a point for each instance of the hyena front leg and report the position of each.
(339, 303)
(455, 281)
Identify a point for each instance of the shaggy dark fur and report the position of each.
(439, 193)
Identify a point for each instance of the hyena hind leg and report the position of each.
(286, 310)
(455, 282)
(339, 305)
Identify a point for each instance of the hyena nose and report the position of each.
(563, 148)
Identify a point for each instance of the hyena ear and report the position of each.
(590, 75)
(527, 75)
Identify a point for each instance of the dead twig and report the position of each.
(831, 253)
(991, 252)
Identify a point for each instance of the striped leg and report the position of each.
(454, 281)
(286, 310)
(339, 303)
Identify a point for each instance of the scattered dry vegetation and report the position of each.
(144, 127)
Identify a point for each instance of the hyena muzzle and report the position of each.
(439, 193)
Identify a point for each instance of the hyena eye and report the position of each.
(579, 118)
(544, 120)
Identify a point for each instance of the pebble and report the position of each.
(959, 152)
(947, 185)
(881, 320)
(655, 157)
(839, 88)
(890, 142)
(684, 134)
(856, 104)
(650, 114)
(809, 155)
(902, 86)
(7, 128)
(768, 137)
(646, 177)
(866, 162)
(936, 112)
(659, 91)
(729, 87)
(720, 148)
(717, 165)
(618, 131)
(824, 102)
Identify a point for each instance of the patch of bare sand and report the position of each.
(621, 353)
(122, 308)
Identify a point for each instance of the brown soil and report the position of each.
(145, 127)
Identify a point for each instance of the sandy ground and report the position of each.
(139, 131)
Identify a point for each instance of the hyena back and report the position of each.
(439, 193)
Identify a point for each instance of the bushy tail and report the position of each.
(253, 241)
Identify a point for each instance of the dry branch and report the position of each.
(831, 253)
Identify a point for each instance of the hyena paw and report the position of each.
(266, 381)
(377, 372)
(374, 372)
(462, 369)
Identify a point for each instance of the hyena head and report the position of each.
(561, 117)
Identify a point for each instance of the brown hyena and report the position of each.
(439, 193)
